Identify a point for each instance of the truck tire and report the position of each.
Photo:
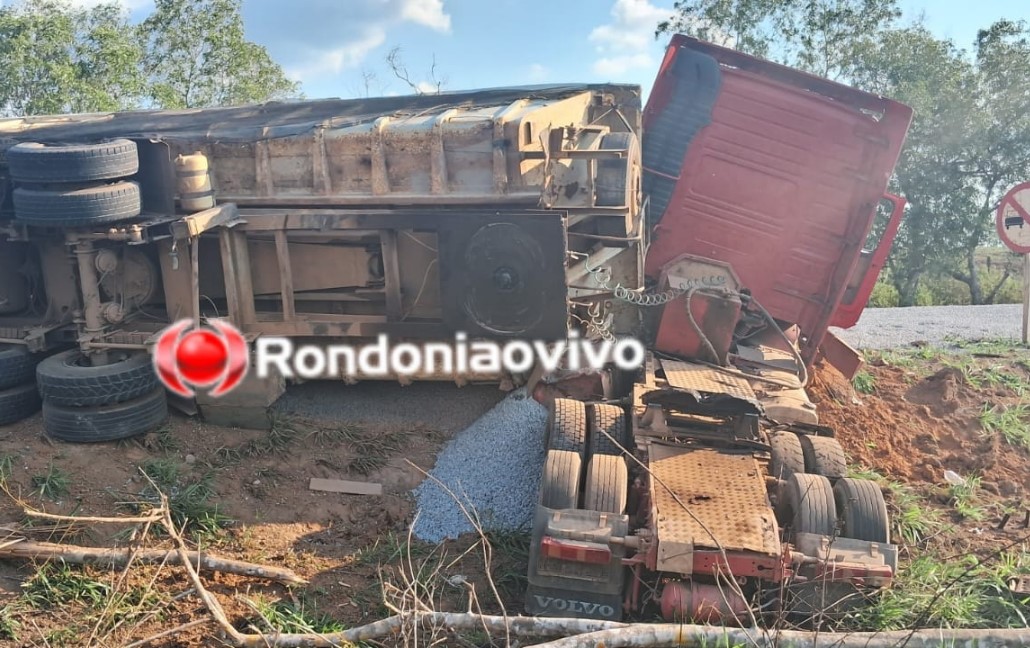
(18, 403)
(610, 419)
(861, 510)
(44, 163)
(73, 207)
(823, 456)
(567, 426)
(17, 365)
(66, 380)
(106, 422)
(559, 485)
(786, 455)
(808, 505)
(607, 484)
(614, 175)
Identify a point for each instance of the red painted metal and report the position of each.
(715, 316)
(742, 564)
(575, 551)
(782, 183)
(690, 601)
(847, 313)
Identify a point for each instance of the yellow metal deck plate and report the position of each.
(724, 492)
(699, 378)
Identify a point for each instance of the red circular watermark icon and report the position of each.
(213, 357)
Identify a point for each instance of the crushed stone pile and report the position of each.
(493, 466)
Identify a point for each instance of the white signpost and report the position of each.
(1013, 222)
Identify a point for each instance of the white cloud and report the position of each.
(538, 72)
(426, 12)
(329, 36)
(627, 42)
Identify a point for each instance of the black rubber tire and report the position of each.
(567, 426)
(64, 381)
(106, 422)
(42, 163)
(104, 204)
(824, 456)
(603, 418)
(613, 174)
(17, 365)
(808, 505)
(861, 510)
(18, 403)
(559, 484)
(787, 457)
(607, 484)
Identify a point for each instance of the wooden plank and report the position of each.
(263, 169)
(282, 252)
(391, 274)
(341, 486)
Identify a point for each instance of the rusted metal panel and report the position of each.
(699, 378)
(709, 499)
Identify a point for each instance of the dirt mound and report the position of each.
(914, 428)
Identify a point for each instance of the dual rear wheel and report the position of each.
(585, 467)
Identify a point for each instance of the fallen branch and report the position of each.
(170, 632)
(649, 635)
(116, 558)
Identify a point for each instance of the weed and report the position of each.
(911, 518)
(323, 436)
(165, 441)
(953, 593)
(9, 626)
(6, 466)
(861, 472)
(59, 637)
(995, 376)
(510, 561)
(864, 382)
(965, 498)
(388, 548)
(288, 617)
(1010, 422)
(370, 453)
(164, 472)
(56, 584)
(52, 484)
(226, 456)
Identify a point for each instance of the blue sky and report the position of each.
(337, 48)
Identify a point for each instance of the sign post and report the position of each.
(1013, 223)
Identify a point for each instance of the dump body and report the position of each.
(773, 171)
(417, 217)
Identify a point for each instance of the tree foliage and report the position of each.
(970, 136)
(197, 56)
(57, 57)
(821, 36)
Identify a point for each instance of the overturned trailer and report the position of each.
(417, 217)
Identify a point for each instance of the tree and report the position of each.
(969, 141)
(197, 56)
(55, 58)
(821, 36)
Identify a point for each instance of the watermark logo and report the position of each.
(214, 357)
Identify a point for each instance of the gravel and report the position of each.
(884, 328)
(493, 466)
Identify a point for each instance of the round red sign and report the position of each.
(1013, 219)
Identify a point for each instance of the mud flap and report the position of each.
(578, 584)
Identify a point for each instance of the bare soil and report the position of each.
(922, 418)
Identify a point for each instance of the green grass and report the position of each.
(389, 547)
(52, 484)
(995, 376)
(962, 592)
(1010, 422)
(6, 466)
(965, 498)
(864, 382)
(287, 617)
(510, 561)
(164, 472)
(9, 625)
(55, 584)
